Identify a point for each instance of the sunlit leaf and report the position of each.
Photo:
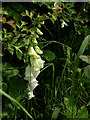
(87, 71)
(85, 58)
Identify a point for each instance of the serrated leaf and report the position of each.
(49, 55)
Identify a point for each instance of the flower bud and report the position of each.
(39, 32)
(37, 63)
(42, 22)
(32, 52)
(34, 41)
(38, 50)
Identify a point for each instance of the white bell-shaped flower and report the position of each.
(37, 63)
(33, 84)
(30, 95)
(30, 72)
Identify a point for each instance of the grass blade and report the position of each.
(75, 66)
(9, 97)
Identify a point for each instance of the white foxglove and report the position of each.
(38, 50)
(32, 52)
(30, 95)
(31, 72)
(33, 84)
(37, 63)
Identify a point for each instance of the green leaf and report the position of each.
(49, 55)
(82, 113)
(76, 63)
(9, 71)
(55, 113)
(23, 14)
(16, 17)
(18, 53)
(11, 49)
(85, 58)
(87, 71)
(83, 45)
(9, 11)
(27, 12)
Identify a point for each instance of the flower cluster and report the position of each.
(33, 70)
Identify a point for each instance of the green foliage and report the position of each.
(48, 55)
(6, 95)
(81, 113)
(55, 113)
(63, 90)
(9, 71)
(85, 58)
(87, 71)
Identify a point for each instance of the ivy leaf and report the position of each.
(48, 55)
